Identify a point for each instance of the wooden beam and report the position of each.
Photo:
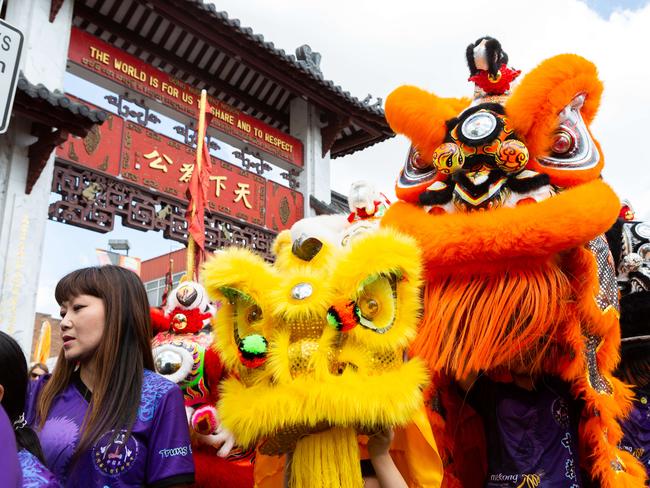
(42, 112)
(328, 134)
(111, 26)
(345, 145)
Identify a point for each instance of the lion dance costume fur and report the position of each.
(316, 343)
(183, 354)
(503, 194)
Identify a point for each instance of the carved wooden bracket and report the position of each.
(40, 151)
(328, 134)
(55, 6)
(94, 200)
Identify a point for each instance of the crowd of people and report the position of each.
(104, 412)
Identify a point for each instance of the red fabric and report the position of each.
(213, 471)
(169, 284)
(213, 372)
(159, 321)
(197, 191)
(194, 319)
(499, 87)
(362, 214)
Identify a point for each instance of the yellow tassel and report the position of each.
(329, 459)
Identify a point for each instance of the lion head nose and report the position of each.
(306, 248)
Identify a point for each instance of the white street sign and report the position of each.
(11, 45)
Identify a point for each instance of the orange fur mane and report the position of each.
(482, 321)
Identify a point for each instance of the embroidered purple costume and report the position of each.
(531, 435)
(157, 453)
(35, 475)
(630, 244)
(636, 429)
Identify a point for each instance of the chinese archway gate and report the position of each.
(124, 168)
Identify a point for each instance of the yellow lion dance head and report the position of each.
(317, 343)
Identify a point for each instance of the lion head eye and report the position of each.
(368, 307)
(564, 142)
(376, 305)
(572, 147)
(254, 314)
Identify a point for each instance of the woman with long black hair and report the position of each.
(13, 388)
(104, 417)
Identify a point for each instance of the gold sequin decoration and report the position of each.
(305, 328)
(380, 362)
(300, 354)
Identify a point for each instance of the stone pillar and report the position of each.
(315, 179)
(23, 217)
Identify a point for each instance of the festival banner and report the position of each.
(100, 149)
(131, 72)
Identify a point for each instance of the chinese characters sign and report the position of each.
(155, 161)
(148, 159)
(110, 62)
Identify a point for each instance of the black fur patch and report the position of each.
(615, 240)
(635, 314)
(474, 162)
(492, 107)
(524, 185)
(440, 197)
(496, 56)
(476, 191)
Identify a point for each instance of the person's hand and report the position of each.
(379, 442)
(222, 440)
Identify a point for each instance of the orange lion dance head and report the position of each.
(503, 194)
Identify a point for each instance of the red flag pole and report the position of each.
(191, 271)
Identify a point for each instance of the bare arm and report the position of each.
(385, 469)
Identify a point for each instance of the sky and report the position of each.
(372, 47)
